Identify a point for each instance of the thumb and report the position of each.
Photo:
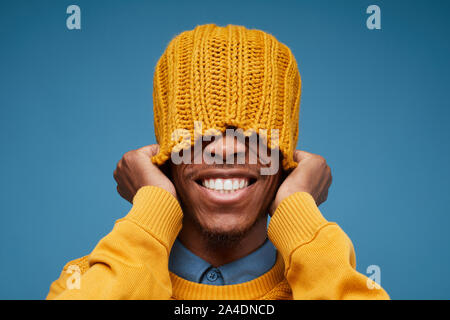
(300, 155)
(150, 150)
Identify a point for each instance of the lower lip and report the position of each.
(229, 198)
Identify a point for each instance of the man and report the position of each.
(226, 107)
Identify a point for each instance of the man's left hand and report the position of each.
(312, 175)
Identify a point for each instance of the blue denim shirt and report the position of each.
(189, 266)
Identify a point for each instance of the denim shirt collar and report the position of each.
(189, 266)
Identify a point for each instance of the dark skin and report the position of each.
(221, 232)
(228, 231)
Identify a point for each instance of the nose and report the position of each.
(226, 147)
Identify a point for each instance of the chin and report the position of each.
(226, 223)
(222, 237)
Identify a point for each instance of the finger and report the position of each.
(123, 194)
(150, 150)
(323, 197)
(327, 185)
(300, 155)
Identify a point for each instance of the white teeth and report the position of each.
(218, 184)
(228, 184)
(225, 185)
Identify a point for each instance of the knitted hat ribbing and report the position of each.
(226, 76)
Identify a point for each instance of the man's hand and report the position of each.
(136, 170)
(312, 175)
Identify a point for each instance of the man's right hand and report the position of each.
(136, 170)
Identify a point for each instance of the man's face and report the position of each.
(225, 200)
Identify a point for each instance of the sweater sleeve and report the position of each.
(319, 257)
(131, 262)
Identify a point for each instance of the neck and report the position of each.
(192, 238)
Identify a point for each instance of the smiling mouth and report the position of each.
(225, 185)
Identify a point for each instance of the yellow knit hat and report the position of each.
(226, 76)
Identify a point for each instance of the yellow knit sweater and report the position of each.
(315, 259)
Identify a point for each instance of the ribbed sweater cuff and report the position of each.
(295, 222)
(158, 212)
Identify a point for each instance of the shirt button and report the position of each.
(212, 275)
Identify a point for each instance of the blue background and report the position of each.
(374, 104)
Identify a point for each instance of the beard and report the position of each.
(217, 239)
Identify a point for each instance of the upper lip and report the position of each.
(224, 173)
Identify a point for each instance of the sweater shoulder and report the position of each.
(282, 291)
(80, 265)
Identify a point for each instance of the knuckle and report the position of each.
(120, 192)
(128, 156)
(321, 160)
(154, 149)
